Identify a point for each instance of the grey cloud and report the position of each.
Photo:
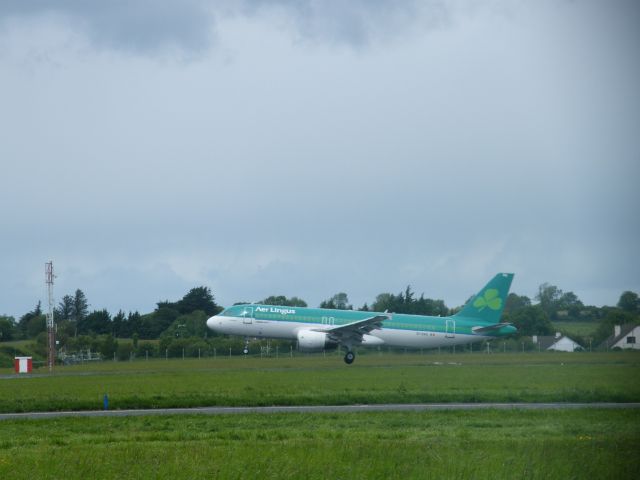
(499, 144)
(148, 27)
(144, 26)
(357, 22)
(130, 25)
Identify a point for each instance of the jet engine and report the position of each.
(309, 341)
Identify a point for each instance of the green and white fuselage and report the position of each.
(317, 328)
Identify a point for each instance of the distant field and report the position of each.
(428, 445)
(583, 329)
(314, 380)
(18, 347)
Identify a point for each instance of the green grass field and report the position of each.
(314, 380)
(583, 329)
(495, 444)
(572, 444)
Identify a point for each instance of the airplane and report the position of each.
(317, 329)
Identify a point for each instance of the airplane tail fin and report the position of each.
(488, 304)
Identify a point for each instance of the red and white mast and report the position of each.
(49, 276)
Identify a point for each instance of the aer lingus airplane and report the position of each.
(318, 328)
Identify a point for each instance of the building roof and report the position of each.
(547, 341)
(624, 331)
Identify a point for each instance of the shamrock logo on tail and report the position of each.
(489, 299)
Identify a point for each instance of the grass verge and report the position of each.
(493, 444)
(315, 380)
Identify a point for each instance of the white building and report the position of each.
(624, 336)
(557, 342)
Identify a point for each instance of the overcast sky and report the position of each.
(309, 147)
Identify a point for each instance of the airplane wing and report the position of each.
(489, 328)
(353, 332)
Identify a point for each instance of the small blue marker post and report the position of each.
(105, 402)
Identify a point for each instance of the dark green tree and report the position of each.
(384, 302)
(64, 328)
(516, 302)
(284, 301)
(66, 309)
(571, 304)
(80, 308)
(549, 298)
(118, 323)
(340, 301)
(36, 325)
(153, 324)
(199, 298)
(132, 325)
(606, 325)
(25, 320)
(7, 328)
(98, 322)
(189, 325)
(428, 306)
(108, 347)
(124, 351)
(405, 302)
(629, 302)
(568, 300)
(532, 320)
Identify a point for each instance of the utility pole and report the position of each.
(49, 276)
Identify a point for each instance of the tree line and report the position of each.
(179, 325)
(552, 305)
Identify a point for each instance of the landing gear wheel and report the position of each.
(349, 358)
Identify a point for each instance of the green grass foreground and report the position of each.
(491, 444)
(316, 380)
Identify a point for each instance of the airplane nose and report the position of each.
(210, 322)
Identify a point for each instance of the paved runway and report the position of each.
(419, 407)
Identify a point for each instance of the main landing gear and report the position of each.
(349, 357)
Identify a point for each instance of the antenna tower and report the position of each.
(49, 276)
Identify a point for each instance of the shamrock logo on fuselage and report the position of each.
(489, 299)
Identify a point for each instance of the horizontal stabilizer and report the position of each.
(490, 328)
